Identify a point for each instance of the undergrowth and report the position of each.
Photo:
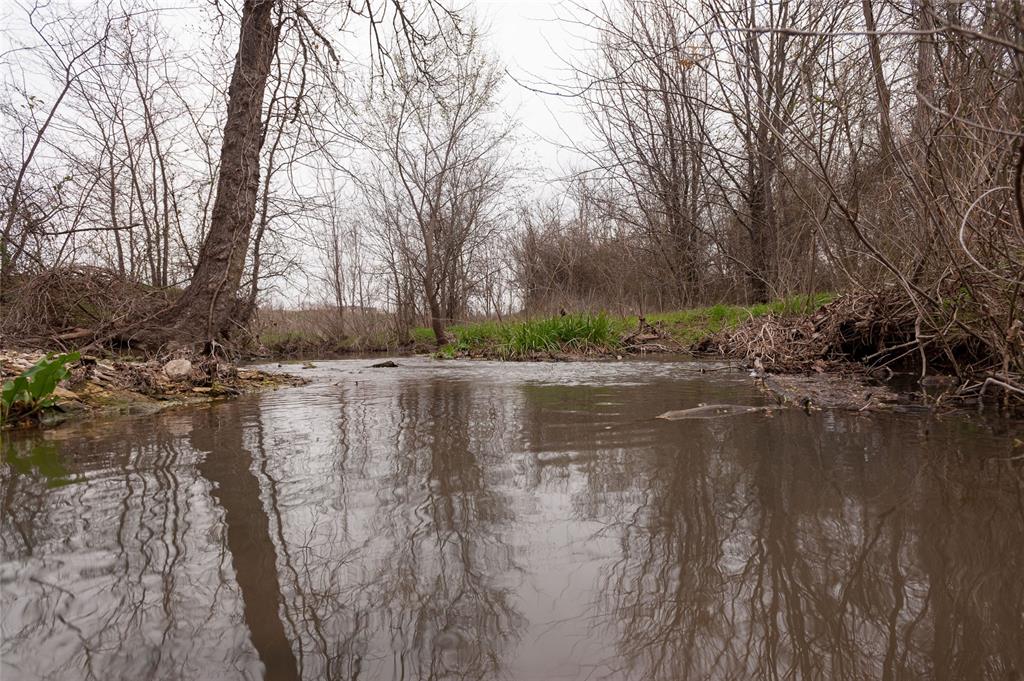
(30, 393)
(687, 327)
(596, 334)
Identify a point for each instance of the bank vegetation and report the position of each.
(168, 190)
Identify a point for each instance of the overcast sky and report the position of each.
(534, 40)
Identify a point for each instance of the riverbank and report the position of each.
(574, 336)
(833, 352)
(97, 386)
(850, 351)
(312, 334)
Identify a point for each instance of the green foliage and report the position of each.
(422, 335)
(476, 335)
(690, 326)
(570, 333)
(32, 391)
(516, 340)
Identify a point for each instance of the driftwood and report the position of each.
(712, 411)
(647, 338)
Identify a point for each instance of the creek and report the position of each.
(487, 520)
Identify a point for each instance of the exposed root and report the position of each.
(647, 338)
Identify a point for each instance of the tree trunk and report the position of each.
(434, 306)
(886, 143)
(205, 309)
(762, 237)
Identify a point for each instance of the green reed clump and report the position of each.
(574, 333)
(478, 335)
(600, 334)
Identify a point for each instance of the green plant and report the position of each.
(422, 335)
(32, 391)
(569, 333)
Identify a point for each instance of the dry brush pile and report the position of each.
(73, 306)
(883, 331)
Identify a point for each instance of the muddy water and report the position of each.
(527, 521)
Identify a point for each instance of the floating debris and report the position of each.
(712, 411)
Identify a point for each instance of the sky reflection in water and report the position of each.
(532, 521)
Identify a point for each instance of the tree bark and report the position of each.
(887, 145)
(205, 309)
(434, 305)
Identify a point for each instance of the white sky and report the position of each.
(534, 41)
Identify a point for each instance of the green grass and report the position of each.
(690, 326)
(422, 335)
(583, 334)
(576, 333)
(601, 334)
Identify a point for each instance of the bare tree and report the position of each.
(205, 309)
(440, 166)
(66, 47)
(646, 103)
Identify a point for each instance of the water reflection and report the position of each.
(829, 554)
(468, 521)
(227, 464)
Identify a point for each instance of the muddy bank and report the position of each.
(833, 391)
(104, 385)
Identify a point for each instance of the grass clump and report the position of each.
(570, 334)
(597, 334)
(422, 335)
(575, 333)
(478, 335)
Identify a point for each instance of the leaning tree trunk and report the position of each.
(205, 309)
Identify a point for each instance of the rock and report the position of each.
(202, 389)
(64, 393)
(178, 369)
(388, 364)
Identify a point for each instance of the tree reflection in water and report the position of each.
(227, 464)
(118, 574)
(439, 526)
(825, 556)
(402, 571)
